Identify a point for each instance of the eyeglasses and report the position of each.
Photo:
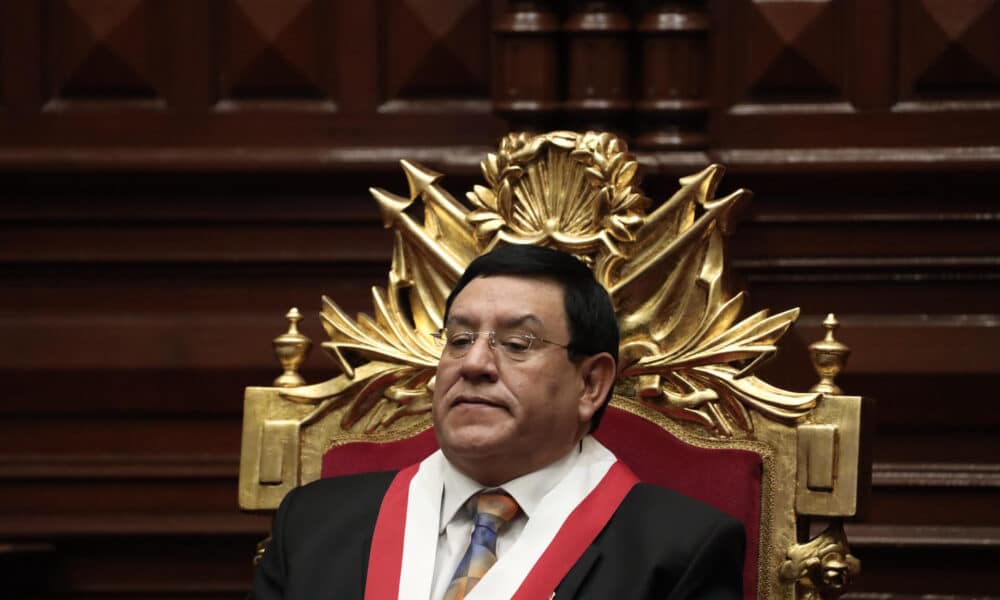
(515, 345)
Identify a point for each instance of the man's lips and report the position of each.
(477, 401)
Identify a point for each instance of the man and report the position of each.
(520, 502)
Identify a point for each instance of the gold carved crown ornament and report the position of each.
(684, 350)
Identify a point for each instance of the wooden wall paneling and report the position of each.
(871, 72)
(922, 562)
(527, 71)
(357, 57)
(598, 68)
(908, 262)
(780, 54)
(182, 566)
(20, 61)
(191, 87)
(948, 51)
(134, 319)
(237, 85)
(105, 56)
(276, 52)
(854, 68)
(436, 53)
(672, 95)
(785, 60)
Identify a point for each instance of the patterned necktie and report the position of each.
(492, 510)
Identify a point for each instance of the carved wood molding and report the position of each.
(463, 159)
(45, 527)
(119, 466)
(922, 536)
(969, 475)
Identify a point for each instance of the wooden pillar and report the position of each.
(673, 97)
(598, 86)
(526, 71)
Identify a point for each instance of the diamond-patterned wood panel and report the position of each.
(806, 74)
(950, 48)
(795, 50)
(276, 50)
(103, 49)
(3, 80)
(437, 49)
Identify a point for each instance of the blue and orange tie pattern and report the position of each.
(492, 510)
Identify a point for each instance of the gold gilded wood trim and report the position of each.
(681, 342)
(823, 567)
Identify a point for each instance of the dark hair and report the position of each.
(590, 315)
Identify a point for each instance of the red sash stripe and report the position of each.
(386, 556)
(581, 528)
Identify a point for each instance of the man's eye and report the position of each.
(461, 340)
(516, 343)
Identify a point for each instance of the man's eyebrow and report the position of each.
(528, 319)
(454, 320)
(464, 321)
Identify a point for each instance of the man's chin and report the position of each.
(472, 441)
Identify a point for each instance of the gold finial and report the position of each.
(291, 348)
(829, 357)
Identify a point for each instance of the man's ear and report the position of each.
(598, 374)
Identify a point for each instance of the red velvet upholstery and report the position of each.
(370, 457)
(729, 480)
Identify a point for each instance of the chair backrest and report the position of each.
(688, 411)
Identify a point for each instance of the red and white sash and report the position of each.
(552, 541)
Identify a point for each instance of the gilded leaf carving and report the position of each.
(683, 343)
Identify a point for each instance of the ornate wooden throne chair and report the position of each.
(688, 412)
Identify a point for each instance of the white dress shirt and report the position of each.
(456, 530)
(432, 552)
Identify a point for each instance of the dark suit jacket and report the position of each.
(658, 544)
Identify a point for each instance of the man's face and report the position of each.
(496, 418)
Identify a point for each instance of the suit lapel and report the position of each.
(569, 587)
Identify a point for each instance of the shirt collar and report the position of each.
(527, 490)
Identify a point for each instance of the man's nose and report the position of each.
(480, 362)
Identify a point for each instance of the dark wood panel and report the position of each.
(438, 50)
(922, 571)
(95, 467)
(792, 73)
(946, 444)
(189, 566)
(972, 291)
(267, 290)
(193, 341)
(880, 242)
(752, 127)
(915, 344)
(319, 73)
(42, 393)
(192, 243)
(945, 505)
(309, 135)
(120, 436)
(57, 526)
